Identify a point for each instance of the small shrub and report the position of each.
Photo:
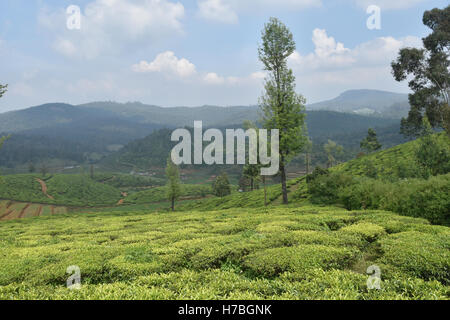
(325, 188)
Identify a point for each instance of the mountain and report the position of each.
(367, 102)
(95, 130)
(212, 116)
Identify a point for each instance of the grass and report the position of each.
(283, 253)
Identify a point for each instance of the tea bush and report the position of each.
(306, 252)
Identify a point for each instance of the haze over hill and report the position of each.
(369, 102)
(96, 129)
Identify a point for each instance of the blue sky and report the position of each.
(189, 52)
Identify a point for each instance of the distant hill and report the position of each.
(367, 102)
(346, 129)
(212, 116)
(95, 130)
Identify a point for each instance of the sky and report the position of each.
(195, 52)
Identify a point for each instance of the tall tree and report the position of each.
(221, 186)
(332, 150)
(429, 69)
(370, 143)
(281, 106)
(173, 183)
(251, 171)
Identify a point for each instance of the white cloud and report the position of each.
(108, 25)
(337, 68)
(253, 79)
(168, 64)
(213, 78)
(227, 11)
(217, 10)
(390, 4)
(326, 46)
(332, 55)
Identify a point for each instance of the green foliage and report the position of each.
(281, 106)
(396, 162)
(173, 182)
(318, 171)
(333, 150)
(368, 231)
(415, 197)
(429, 68)
(433, 155)
(282, 253)
(145, 153)
(298, 259)
(370, 143)
(369, 168)
(424, 256)
(221, 186)
(325, 188)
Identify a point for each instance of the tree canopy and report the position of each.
(370, 143)
(428, 73)
(282, 107)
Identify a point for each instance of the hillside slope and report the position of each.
(66, 190)
(387, 163)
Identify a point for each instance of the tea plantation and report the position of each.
(306, 252)
(233, 247)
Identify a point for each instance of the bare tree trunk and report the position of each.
(173, 204)
(283, 181)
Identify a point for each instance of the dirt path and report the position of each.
(44, 188)
(22, 212)
(6, 214)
